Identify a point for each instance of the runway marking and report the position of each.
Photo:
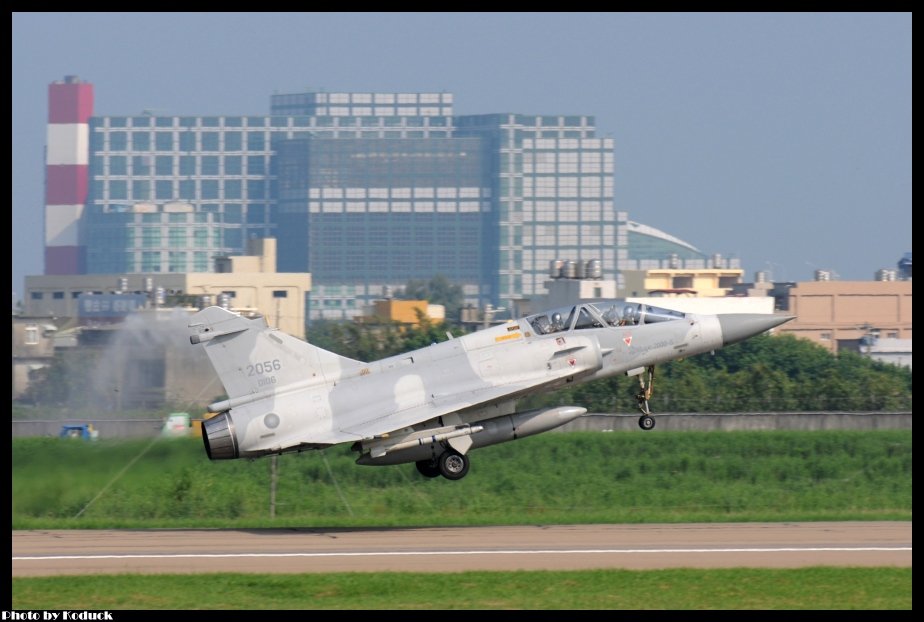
(476, 552)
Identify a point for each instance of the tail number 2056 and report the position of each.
(266, 367)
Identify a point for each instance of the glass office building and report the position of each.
(552, 195)
(367, 215)
(167, 194)
(363, 190)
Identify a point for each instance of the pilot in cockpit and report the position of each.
(557, 324)
(612, 316)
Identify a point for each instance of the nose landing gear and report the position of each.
(646, 421)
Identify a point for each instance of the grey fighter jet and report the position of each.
(434, 405)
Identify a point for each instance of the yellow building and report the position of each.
(405, 311)
(247, 284)
(840, 313)
(702, 282)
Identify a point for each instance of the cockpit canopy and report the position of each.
(598, 315)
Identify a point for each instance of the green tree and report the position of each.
(762, 374)
(439, 290)
(367, 341)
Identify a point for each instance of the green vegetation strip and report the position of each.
(579, 477)
(805, 588)
(762, 374)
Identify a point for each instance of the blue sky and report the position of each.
(782, 139)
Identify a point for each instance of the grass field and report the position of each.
(805, 588)
(577, 477)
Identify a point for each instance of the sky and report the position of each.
(781, 139)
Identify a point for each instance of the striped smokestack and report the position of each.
(70, 106)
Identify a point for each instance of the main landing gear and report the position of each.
(646, 421)
(450, 464)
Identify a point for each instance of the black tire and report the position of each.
(428, 468)
(453, 465)
(646, 422)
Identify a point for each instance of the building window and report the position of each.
(58, 295)
(256, 141)
(163, 189)
(209, 188)
(163, 141)
(36, 295)
(118, 141)
(141, 141)
(187, 165)
(176, 262)
(892, 334)
(118, 165)
(233, 141)
(256, 165)
(32, 336)
(209, 141)
(233, 165)
(118, 190)
(825, 336)
(200, 262)
(163, 165)
(209, 165)
(280, 293)
(232, 188)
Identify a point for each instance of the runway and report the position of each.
(454, 549)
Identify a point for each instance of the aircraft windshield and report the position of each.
(553, 321)
(567, 318)
(634, 313)
(590, 316)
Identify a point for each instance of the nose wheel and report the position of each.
(646, 421)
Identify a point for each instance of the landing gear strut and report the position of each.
(646, 421)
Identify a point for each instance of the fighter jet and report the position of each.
(434, 405)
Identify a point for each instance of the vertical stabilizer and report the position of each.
(251, 358)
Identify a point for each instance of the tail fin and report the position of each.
(250, 358)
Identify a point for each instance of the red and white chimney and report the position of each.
(70, 106)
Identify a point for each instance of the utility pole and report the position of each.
(489, 312)
(273, 478)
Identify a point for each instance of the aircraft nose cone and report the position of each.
(740, 326)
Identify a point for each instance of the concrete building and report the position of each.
(702, 282)
(904, 267)
(143, 362)
(885, 350)
(839, 314)
(33, 348)
(711, 305)
(567, 281)
(245, 284)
